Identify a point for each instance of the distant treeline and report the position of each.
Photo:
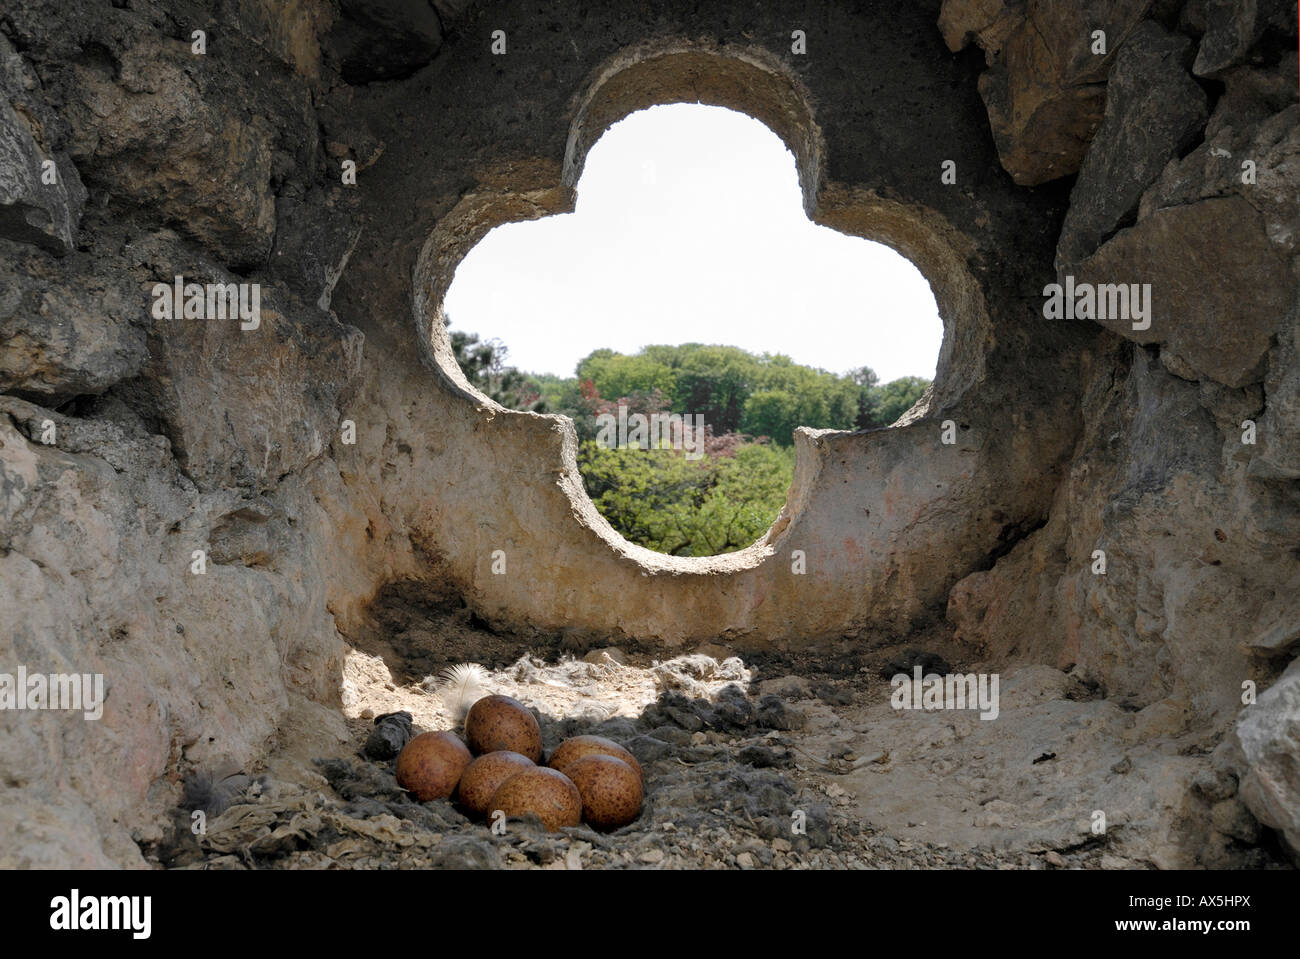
(734, 390)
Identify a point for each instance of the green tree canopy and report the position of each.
(615, 374)
(895, 398)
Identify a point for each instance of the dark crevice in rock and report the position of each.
(1272, 48)
(78, 407)
(970, 63)
(97, 56)
(13, 36)
(1127, 220)
(1009, 537)
(386, 41)
(1214, 90)
(478, 622)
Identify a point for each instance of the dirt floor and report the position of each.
(777, 762)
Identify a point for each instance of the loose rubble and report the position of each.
(744, 774)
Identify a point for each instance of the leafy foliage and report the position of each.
(668, 503)
(483, 363)
(887, 403)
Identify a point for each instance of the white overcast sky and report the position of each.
(690, 228)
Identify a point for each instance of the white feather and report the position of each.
(459, 687)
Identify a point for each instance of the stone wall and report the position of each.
(171, 436)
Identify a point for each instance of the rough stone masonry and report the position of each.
(203, 513)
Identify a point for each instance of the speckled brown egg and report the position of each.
(549, 795)
(610, 790)
(580, 746)
(499, 722)
(484, 776)
(431, 765)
